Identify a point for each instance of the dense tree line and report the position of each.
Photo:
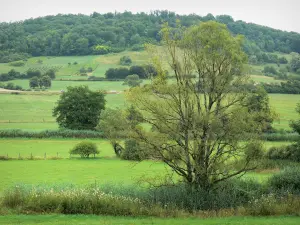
(114, 32)
(144, 72)
(12, 74)
(289, 87)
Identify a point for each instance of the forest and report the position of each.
(70, 35)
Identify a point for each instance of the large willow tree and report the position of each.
(200, 124)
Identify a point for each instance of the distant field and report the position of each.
(93, 85)
(110, 220)
(99, 63)
(35, 111)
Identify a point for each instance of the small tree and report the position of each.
(51, 73)
(132, 80)
(295, 124)
(79, 108)
(85, 149)
(45, 81)
(125, 61)
(34, 82)
(259, 107)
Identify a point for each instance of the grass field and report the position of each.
(35, 111)
(109, 220)
(106, 168)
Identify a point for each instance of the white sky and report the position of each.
(279, 14)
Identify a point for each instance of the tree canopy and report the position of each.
(79, 108)
(114, 32)
(197, 131)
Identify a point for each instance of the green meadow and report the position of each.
(104, 169)
(109, 220)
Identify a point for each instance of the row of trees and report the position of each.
(144, 72)
(115, 32)
(12, 74)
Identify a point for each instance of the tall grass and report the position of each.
(77, 201)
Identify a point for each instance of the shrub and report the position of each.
(70, 200)
(254, 150)
(132, 151)
(65, 133)
(290, 152)
(287, 180)
(17, 64)
(271, 204)
(85, 149)
(125, 61)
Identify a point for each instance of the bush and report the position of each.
(17, 64)
(287, 180)
(125, 61)
(290, 152)
(254, 150)
(270, 204)
(232, 193)
(18, 133)
(132, 151)
(85, 149)
(280, 137)
(71, 200)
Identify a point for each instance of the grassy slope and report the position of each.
(99, 64)
(93, 220)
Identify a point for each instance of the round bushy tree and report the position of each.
(79, 108)
(85, 149)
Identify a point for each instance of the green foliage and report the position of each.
(295, 124)
(132, 151)
(254, 150)
(45, 82)
(101, 50)
(290, 152)
(17, 63)
(18, 133)
(259, 106)
(63, 34)
(132, 80)
(33, 73)
(289, 87)
(270, 70)
(286, 180)
(117, 73)
(125, 61)
(50, 73)
(295, 62)
(272, 205)
(70, 200)
(85, 149)
(11, 86)
(34, 82)
(79, 108)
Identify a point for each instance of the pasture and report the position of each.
(104, 169)
(35, 111)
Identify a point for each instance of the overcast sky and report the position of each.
(279, 14)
